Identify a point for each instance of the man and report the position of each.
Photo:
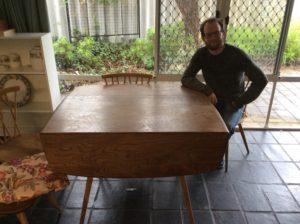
(224, 68)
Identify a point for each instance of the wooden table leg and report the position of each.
(187, 199)
(86, 198)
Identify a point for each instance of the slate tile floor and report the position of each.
(261, 188)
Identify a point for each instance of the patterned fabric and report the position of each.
(28, 178)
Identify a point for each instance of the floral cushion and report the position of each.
(28, 178)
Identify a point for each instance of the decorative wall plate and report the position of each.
(24, 95)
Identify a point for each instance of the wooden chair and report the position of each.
(240, 124)
(24, 171)
(123, 78)
(12, 143)
(23, 180)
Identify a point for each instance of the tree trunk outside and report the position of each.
(190, 16)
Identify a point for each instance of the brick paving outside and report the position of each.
(286, 105)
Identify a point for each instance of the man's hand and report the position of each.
(213, 98)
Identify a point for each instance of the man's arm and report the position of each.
(189, 79)
(258, 83)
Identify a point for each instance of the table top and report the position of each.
(161, 129)
(158, 107)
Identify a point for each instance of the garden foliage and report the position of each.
(85, 54)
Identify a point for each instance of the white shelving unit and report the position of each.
(45, 94)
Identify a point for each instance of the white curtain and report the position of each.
(93, 18)
(57, 18)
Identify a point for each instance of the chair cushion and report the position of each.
(28, 178)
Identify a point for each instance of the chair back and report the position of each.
(8, 98)
(123, 78)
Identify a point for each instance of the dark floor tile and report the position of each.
(295, 190)
(293, 151)
(72, 216)
(76, 196)
(284, 137)
(165, 179)
(238, 171)
(222, 197)
(263, 137)
(71, 178)
(125, 194)
(263, 172)
(192, 178)
(256, 153)
(116, 216)
(43, 202)
(60, 196)
(229, 217)
(260, 218)
(201, 217)
(235, 152)
(43, 215)
(164, 217)
(167, 195)
(249, 137)
(63, 196)
(216, 176)
(198, 195)
(237, 137)
(289, 218)
(275, 152)
(289, 172)
(251, 197)
(252, 184)
(280, 198)
(243, 148)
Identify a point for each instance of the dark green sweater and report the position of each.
(224, 74)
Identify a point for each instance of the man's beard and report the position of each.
(214, 47)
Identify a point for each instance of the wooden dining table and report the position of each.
(135, 131)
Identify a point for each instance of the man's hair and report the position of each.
(211, 20)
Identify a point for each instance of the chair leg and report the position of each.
(187, 199)
(86, 198)
(244, 137)
(226, 159)
(22, 218)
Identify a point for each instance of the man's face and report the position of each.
(213, 36)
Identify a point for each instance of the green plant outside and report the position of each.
(176, 49)
(292, 47)
(64, 53)
(142, 50)
(257, 42)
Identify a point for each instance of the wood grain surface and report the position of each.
(160, 129)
